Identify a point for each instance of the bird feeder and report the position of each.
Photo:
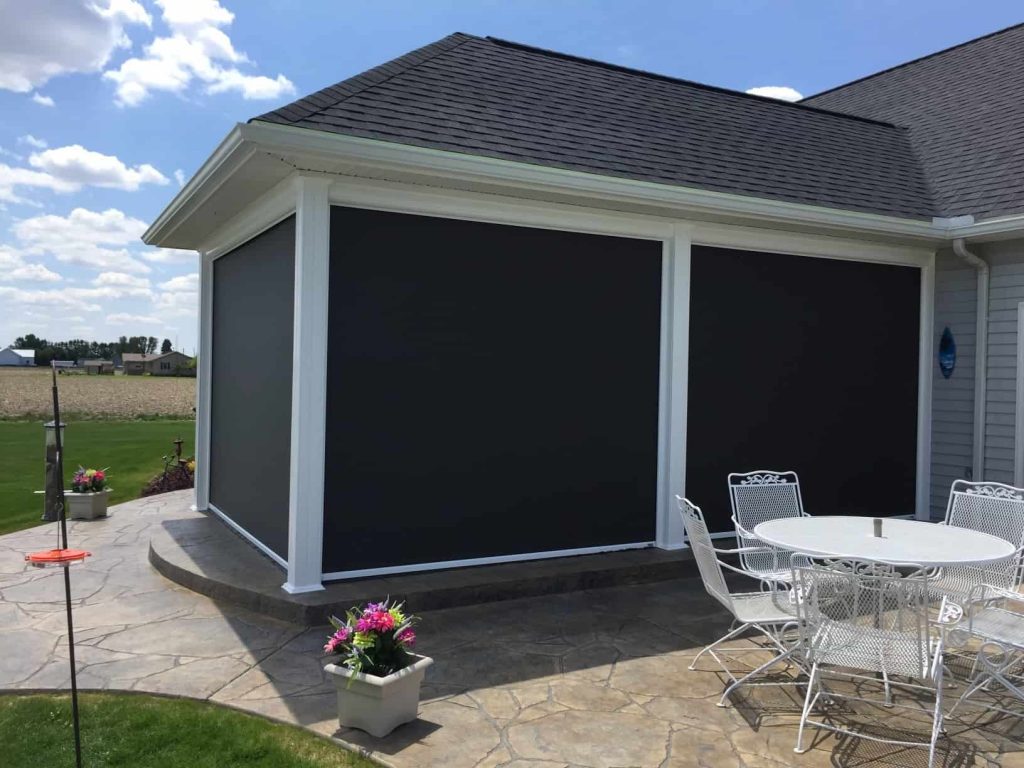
(50, 513)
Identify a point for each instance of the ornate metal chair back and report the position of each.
(758, 497)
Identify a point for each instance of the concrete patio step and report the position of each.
(200, 552)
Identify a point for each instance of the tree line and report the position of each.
(80, 349)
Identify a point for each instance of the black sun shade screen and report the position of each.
(805, 364)
(251, 391)
(492, 390)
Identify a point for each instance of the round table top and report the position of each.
(902, 541)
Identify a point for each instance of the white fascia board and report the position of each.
(231, 153)
(802, 244)
(1003, 228)
(321, 144)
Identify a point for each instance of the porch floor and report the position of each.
(201, 552)
(595, 678)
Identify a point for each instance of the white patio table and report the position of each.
(902, 541)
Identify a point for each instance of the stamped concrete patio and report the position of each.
(595, 678)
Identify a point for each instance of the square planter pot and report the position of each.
(86, 506)
(378, 705)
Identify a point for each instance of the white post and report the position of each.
(204, 366)
(924, 392)
(675, 362)
(309, 385)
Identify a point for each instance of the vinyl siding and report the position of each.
(953, 398)
(1006, 291)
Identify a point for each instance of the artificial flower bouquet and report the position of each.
(375, 640)
(89, 480)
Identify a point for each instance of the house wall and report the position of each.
(176, 360)
(10, 357)
(953, 398)
(250, 427)
(1006, 291)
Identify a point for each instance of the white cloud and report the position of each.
(169, 256)
(68, 169)
(179, 176)
(122, 280)
(45, 38)
(90, 238)
(43, 101)
(124, 318)
(196, 50)
(182, 284)
(11, 177)
(79, 166)
(780, 92)
(14, 268)
(47, 299)
(179, 296)
(32, 141)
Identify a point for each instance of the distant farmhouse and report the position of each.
(167, 364)
(98, 366)
(10, 356)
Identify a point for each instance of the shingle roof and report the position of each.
(489, 97)
(964, 108)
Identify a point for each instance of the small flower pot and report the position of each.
(86, 506)
(378, 705)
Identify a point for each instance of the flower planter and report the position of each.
(86, 506)
(378, 705)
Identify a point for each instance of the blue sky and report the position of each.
(108, 104)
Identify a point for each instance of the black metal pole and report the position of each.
(67, 571)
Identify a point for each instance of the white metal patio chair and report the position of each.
(991, 508)
(993, 615)
(860, 621)
(769, 612)
(757, 497)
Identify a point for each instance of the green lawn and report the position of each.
(133, 731)
(131, 449)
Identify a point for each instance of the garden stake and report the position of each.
(63, 557)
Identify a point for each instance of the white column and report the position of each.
(204, 366)
(309, 385)
(675, 312)
(926, 364)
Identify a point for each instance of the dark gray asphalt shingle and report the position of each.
(488, 97)
(964, 108)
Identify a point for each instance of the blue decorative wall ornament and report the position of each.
(947, 353)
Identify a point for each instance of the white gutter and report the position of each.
(980, 355)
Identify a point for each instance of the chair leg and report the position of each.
(724, 638)
(808, 700)
(753, 673)
(937, 717)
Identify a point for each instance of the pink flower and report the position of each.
(339, 637)
(377, 621)
(406, 636)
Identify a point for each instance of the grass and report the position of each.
(150, 732)
(131, 449)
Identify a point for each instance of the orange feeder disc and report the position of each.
(57, 557)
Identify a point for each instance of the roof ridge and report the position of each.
(370, 78)
(684, 81)
(919, 59)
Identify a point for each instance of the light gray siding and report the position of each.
(953, 398)
(1006, 291)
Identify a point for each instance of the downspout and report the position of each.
(980, 355)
